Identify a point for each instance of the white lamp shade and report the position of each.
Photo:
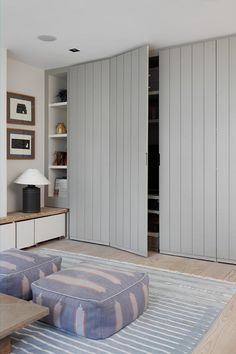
(32, 177)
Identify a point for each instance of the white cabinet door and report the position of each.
(89, 152)
(24, 234)
(7, 236)
(188, 150)
(128, 150)
(49, 227)
(226, 149)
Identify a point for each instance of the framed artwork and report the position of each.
(20, 144)
(20, 109)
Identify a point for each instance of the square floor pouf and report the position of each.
(91, 301)
(18, 269)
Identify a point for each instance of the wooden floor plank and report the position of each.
(221, 338)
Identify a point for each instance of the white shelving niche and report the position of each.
(56, 144)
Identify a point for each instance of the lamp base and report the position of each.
(31, 199)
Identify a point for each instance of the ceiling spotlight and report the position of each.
(47, 38)
(74, 50)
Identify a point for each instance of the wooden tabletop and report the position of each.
(20, 216)
(16, 314)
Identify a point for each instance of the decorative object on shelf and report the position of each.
(60, 187)
(60, 159)
(60, 128)
(20, 144)
(20, 109)
(62, 94)
(31, 194)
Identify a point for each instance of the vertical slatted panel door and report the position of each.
(188, 150)
(226, 149)
(164, 148)
(128, 149)
(175, 155)
(89, 152)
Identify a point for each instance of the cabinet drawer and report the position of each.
(7, 236)
(49, 227)
(24, 234)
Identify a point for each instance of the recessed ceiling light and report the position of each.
(74, 50)
(47, 38)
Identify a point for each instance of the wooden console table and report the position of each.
(20, 216)
(23, 230)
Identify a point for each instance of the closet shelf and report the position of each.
(153, 196)
(152, 93)
(153, 234)
(59, 167)
(58, 105)
(153, 121)
(57, 136)
(153, 212)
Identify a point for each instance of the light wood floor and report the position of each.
(221, 338)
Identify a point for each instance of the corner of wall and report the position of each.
(3, 173)
(3, 84)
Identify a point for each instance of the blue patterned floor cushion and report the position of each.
(91, 301)
(18, 269)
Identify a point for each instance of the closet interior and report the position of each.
(153, 154)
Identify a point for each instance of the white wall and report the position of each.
(3, 184)
(3, 73)
(28, 80)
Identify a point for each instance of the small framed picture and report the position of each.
(20, 144)
(20, 109)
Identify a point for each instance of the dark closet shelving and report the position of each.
(153, 155)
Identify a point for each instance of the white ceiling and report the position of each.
(102, 28)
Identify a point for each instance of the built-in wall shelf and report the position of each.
(57, 136)
(56, 193)
(58, 104)
(59, 167)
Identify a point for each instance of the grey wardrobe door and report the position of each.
(89, 152)
(226, 149)
(188, 150)
(128, 149)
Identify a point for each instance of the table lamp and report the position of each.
(31, 194)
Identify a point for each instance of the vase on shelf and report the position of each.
(60, 158)
(60, 128)
(62, 94)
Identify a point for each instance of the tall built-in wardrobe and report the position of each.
(108, 128)
(198, 150)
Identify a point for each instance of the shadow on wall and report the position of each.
(14, 196)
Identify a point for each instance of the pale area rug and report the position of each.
(181, 310)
